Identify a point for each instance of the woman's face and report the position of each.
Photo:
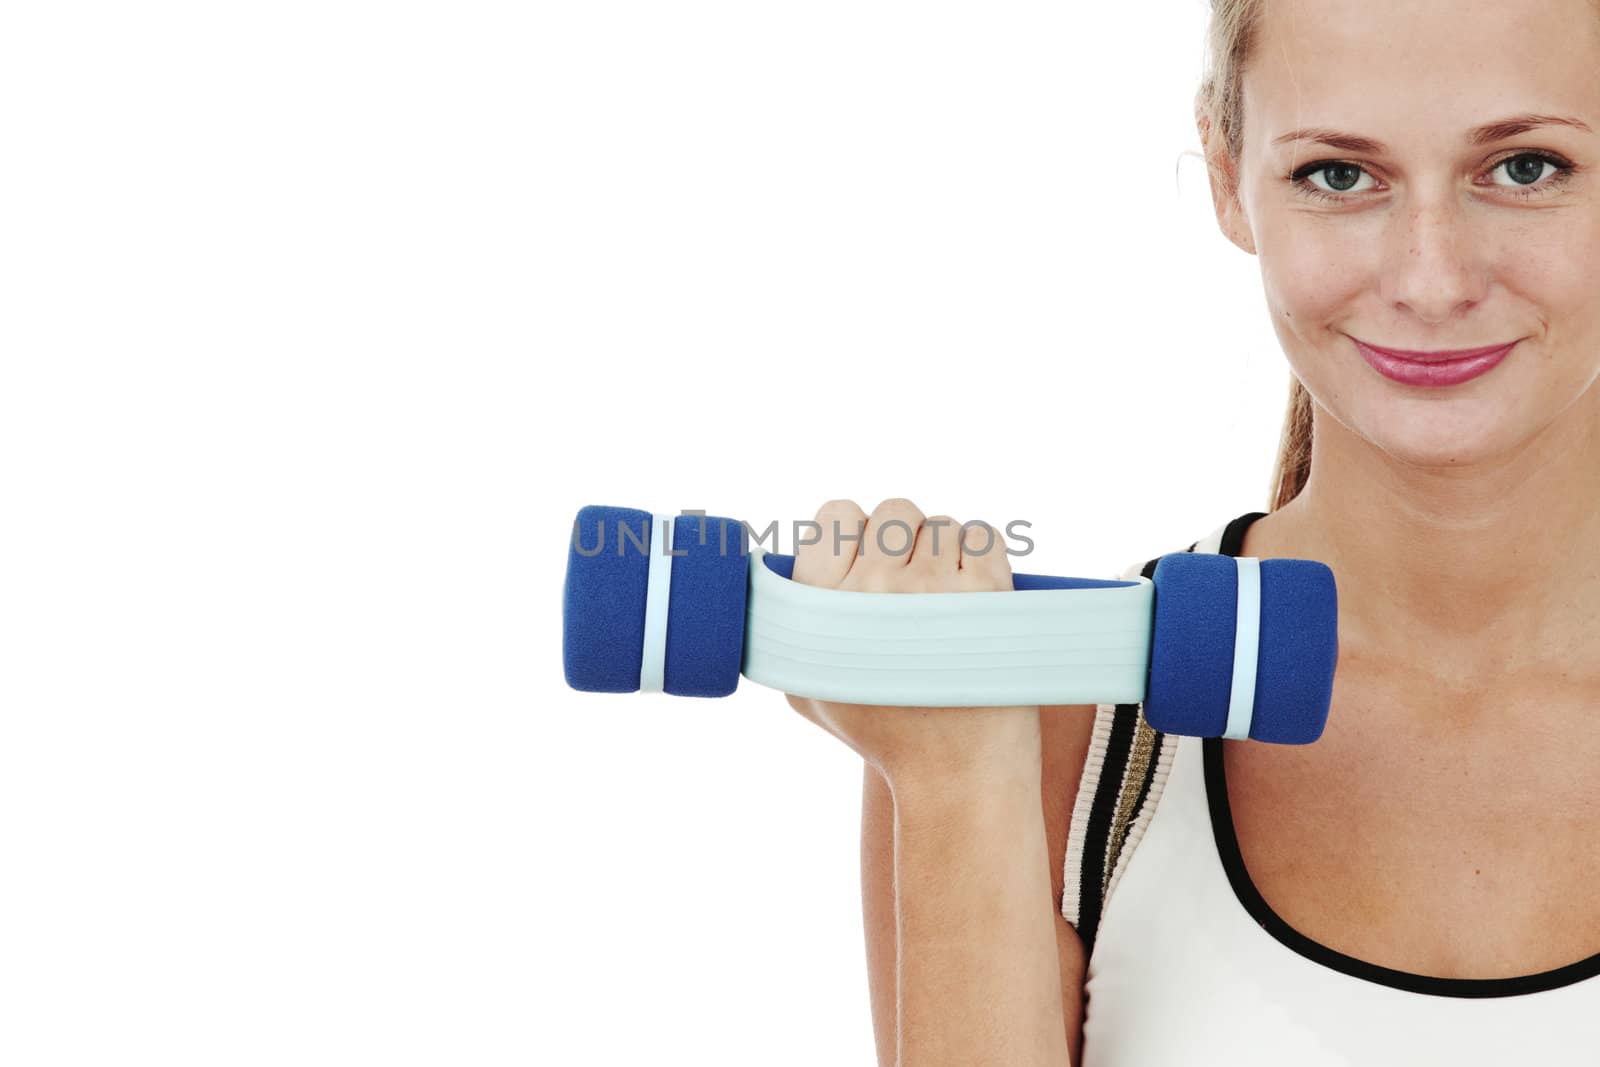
(1431, 237)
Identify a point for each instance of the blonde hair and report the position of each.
(1219, 105)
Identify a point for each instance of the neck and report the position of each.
(1472, 571)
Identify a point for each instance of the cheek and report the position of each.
(1322, 273)
(1312, 274)
(1549, 266)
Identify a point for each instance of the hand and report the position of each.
(899, 550)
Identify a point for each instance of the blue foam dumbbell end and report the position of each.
(1191, 660)
(602, 611)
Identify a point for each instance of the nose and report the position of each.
(1432, 264)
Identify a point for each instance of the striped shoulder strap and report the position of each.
(1123, 776)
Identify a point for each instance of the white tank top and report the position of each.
(1188, 965)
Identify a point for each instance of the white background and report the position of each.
(322, 320)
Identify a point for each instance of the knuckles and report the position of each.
(897, 549)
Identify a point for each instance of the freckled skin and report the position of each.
(1432, 260)
(1461, 522)
(1437, 500)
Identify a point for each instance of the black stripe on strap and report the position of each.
(1091, 876)
(1160, 738)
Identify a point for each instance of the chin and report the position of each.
(1430, 431)
(1428, 455)
(1443, 441)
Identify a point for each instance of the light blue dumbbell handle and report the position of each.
(1038, 646)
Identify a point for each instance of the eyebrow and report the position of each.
(1478, 136)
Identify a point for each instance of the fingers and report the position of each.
(826, 562)
(887, 545)
(891, 533)
(983, 558)
(897, 548)
(938, 549)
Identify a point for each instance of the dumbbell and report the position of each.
(1211, 645)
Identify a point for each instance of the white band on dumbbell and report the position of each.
(1246, 649)
(653, 662)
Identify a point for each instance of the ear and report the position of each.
(1224, 187)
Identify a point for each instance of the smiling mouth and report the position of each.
(1436, 356)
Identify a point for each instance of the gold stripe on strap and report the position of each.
(1140, 754)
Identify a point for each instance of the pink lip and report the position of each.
(1432, 368)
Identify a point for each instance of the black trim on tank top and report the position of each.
(1216, 787)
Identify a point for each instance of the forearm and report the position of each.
(979, 974)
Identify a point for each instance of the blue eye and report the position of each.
(1340, 179)
(1520, 169)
